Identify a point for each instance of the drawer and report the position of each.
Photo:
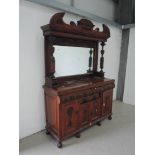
(90, 98)
(82, 96)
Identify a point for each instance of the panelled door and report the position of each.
(70, 115)
(84, 113)
(95, 109)
(107, 102)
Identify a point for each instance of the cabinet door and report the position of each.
(95, 109)
(107, 102)
(84, 114)
(69, 117)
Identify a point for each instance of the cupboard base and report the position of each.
(76, 133)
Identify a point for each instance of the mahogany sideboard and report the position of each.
(74, 103)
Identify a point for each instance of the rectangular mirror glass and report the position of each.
(71, 60)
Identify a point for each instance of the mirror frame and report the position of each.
(80, 34)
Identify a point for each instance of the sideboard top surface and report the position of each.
(87, 82)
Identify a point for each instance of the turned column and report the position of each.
(52, 62)
(90, 61)
(102, 58)
(49, 58)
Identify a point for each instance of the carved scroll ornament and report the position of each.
(83, 27)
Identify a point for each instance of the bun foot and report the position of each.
(98, 123)
(110, 117)
(78, 135)
(59, 145)
(47, 132)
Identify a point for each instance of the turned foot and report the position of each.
(47, 132)
(98, 123)
(59, 145)
(77, 135)
(110, 117)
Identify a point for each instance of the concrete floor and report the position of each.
(115, 137)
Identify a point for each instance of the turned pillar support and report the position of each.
(102, 58)
(90, 61)
(52, 62)
(49, 58)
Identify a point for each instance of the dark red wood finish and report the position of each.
(74, 103)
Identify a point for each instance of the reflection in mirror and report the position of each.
(71, 60)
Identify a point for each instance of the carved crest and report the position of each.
(57, 18)
(84, 27)
(85, 24)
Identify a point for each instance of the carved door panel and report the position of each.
(107, 102)
(84, 114)
(69, 117)
(95, 109)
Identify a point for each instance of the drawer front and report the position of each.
(82, 96)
